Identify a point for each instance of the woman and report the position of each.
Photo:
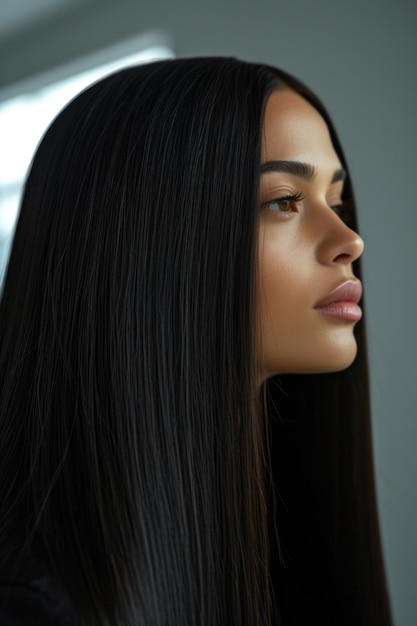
(185, 431)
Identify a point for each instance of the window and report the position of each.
(24, 119)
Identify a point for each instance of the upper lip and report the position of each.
(349, 291)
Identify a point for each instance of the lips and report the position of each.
(349, 291)
(342, 302)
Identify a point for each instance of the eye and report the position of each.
(343, 210)
(285, 204)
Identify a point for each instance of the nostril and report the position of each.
(343, 258)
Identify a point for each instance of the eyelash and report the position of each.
(343, 211)
(340, 209)
(289, 199)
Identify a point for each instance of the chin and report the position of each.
(331, 369)
(336, 363)
(321, 362)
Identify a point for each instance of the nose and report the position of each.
(339, 244)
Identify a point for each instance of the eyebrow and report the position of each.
(298, 168)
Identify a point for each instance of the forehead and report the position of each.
(293, 129)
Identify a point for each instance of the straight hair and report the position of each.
(135, 466)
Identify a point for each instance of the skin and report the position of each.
(305, 249)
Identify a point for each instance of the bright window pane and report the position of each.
(23, 121)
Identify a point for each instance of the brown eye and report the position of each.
(283, 205)
(286, 204)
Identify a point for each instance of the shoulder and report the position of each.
(33, 604)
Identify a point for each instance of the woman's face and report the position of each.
(307, 294)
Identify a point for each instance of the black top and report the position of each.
(34, 603)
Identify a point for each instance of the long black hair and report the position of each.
(134, 463)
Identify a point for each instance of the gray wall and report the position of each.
(360, 57)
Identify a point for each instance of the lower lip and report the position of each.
(342, 310)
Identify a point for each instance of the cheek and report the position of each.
(283, 283)
(291, 337)
(284, 301)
